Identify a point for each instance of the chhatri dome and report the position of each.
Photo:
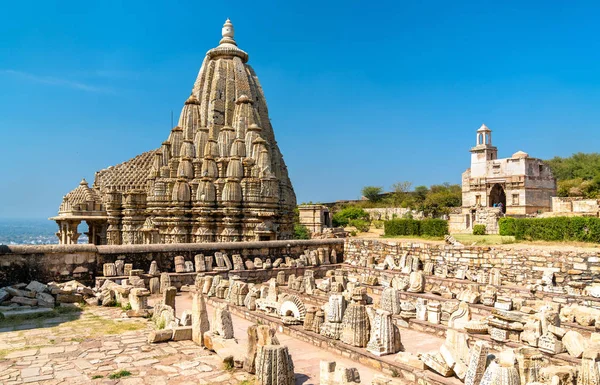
(219, 176)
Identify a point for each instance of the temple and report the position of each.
(219, 176)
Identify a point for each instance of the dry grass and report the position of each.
(483, 240)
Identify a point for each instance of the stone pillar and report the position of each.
(258, 336)
(274, 366)
(109, 270)
(309, 318)
(238, 262)
(200, 263)
(319, 320)
(200, 323)
(477, 361)
(589, 373)
(165, 282)
(417, 282)
(153, 268)
(281, 278)
(530, 363)
(222, 324)
(355, 326)
(208, 262)
(385, 336)
(179, 264)
(120, 267)
(207, 283)
(213, 287)
(154, 285)
(434, 312)
(390, 300)
(169, 297)
(336, 308)
(138, 299)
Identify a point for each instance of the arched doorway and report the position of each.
(498, 197)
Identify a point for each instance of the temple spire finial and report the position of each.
(227, 33)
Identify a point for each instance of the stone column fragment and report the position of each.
(274, 366)
(200, 323)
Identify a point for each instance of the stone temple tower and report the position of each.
(218, 177)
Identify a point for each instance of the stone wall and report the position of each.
(516, 264)
(24, 263)
(387, 213)
(573, 206)
(462, 222)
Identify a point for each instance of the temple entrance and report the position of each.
(498, 197)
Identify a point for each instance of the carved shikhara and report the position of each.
(219, 176)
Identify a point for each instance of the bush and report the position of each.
(429, 227)
(361, 225)
(580, 229)
(401, 227)
(301, 232)
(343, 217)
(507, 226)
(479, 230)
(434, 227)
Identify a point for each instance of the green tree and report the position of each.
(441, 198)
(400, 192)
(372, 193)
(301, 232)
(343, 217)
(577, 175)
(420, 194)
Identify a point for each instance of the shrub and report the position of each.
(429, 227)
(301, 232)
(378, 224)
(401, 227)
(361, 225)
(479, 230)
(343, 217)
(581, 229)
(507, 226)
(353, 233)
(434, 227)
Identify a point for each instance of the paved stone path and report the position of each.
(98, 344)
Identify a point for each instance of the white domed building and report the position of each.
(492, 187)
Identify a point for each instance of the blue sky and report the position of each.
(359, 93)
